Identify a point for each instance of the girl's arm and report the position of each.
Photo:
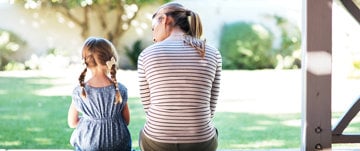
(73, 116)
(126, 114)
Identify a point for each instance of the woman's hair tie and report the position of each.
(188, 12)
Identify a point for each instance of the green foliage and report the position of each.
(53, 59)
(12, 65)
(356, 64)
(289, 55)
(134, 52)
(10, 43)
(250, 45)
(246, 46)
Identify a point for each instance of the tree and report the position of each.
(79, 12)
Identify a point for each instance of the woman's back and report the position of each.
(184, 89)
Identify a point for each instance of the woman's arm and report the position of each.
(73, 116)
(215, 90)
(143, 84)
(126, 114)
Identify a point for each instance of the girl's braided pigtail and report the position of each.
(113, 77)
(82, 84)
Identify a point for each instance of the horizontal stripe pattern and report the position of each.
(179, 91)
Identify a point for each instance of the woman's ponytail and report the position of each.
(194, 24)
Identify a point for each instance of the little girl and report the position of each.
(102, 102)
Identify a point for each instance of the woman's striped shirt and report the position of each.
(179, 91)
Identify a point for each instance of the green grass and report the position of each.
(255, 131)
(29, 120)
(32, 121)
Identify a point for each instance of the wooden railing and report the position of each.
(337, 132)
(352, 8)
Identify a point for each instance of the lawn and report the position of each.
(33, 120)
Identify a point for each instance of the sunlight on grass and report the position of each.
(34, 129)
(352, 129)
(294, 123)
(255, 128)
(15, 117)
(266, 122)
(40, 81)
(43, 141)
(54, 91)
(3, 92)
(10, 143)
(59, 88)
(260, 144)
(348, 146)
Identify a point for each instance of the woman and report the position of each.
(179, 79)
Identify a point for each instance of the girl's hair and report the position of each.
(188, 21)
(99, 51)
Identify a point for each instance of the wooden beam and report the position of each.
(316, 72)
(352, 8)
(346, 118)
(346, 138)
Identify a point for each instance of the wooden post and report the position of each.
(316, 72)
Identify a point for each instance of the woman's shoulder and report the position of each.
(151, 47)
(161, 45)
(150, 50)
(211, 47)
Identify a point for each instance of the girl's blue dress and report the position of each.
(101, 127)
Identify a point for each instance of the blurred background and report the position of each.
(259, 40)
(251, 34)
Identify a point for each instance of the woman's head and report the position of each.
(172, 15)
(100, 53)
